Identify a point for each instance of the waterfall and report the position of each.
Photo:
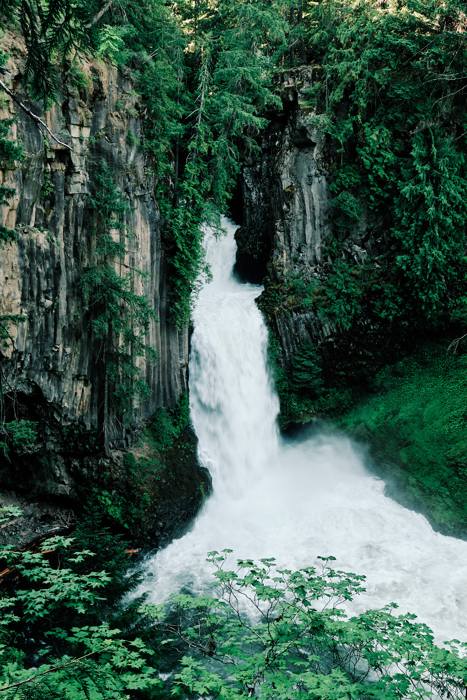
(293, 500)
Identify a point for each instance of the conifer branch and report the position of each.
(40, 123)
(100, 14)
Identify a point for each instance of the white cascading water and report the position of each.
(293, 500)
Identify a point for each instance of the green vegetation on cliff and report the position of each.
(204, 71)
(10, 153)
(157, 488)
(389, 94)
(393, 91)
(416, 424)
(118, 317)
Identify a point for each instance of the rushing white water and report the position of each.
(293, 501)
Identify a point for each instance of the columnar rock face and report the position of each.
(48, 366)
(285, 192)
(286, 207)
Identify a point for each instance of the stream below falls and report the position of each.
(293, 500)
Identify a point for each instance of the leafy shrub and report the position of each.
(53, 640)
(20, 437)
(275, 633)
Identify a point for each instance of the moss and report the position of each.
(412, 414)
(293, 409)
(303, 396)
(416, 425)
(18, 437)
(160, 485)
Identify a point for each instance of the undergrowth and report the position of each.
(416, 424)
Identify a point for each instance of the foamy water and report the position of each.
(293, 500)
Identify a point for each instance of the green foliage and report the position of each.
(342, 295)
(392, 92)
(296, 407)
(231, 71)
(417, 427)
(10, 153)
(76, 77)
(168, 425)
(118, 316)
(112, 44)
(53, 640)
(429, 223)
(9, 514)
(47, 188)
(274, 633)
(51, 29)
(18, 437)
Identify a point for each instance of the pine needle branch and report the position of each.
(40, 123)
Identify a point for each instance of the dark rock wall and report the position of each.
(286, 212)
(49, 368)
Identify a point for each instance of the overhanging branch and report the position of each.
(59, 667)
(40, 123)
(100, 14)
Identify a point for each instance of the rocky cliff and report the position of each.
(286, 228)
(48, 365)
(289, 241)
(285, 219)
(285, 193)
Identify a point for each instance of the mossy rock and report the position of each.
(416, 426)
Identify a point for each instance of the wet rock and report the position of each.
(48, 367)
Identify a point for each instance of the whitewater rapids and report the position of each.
(293, 500)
